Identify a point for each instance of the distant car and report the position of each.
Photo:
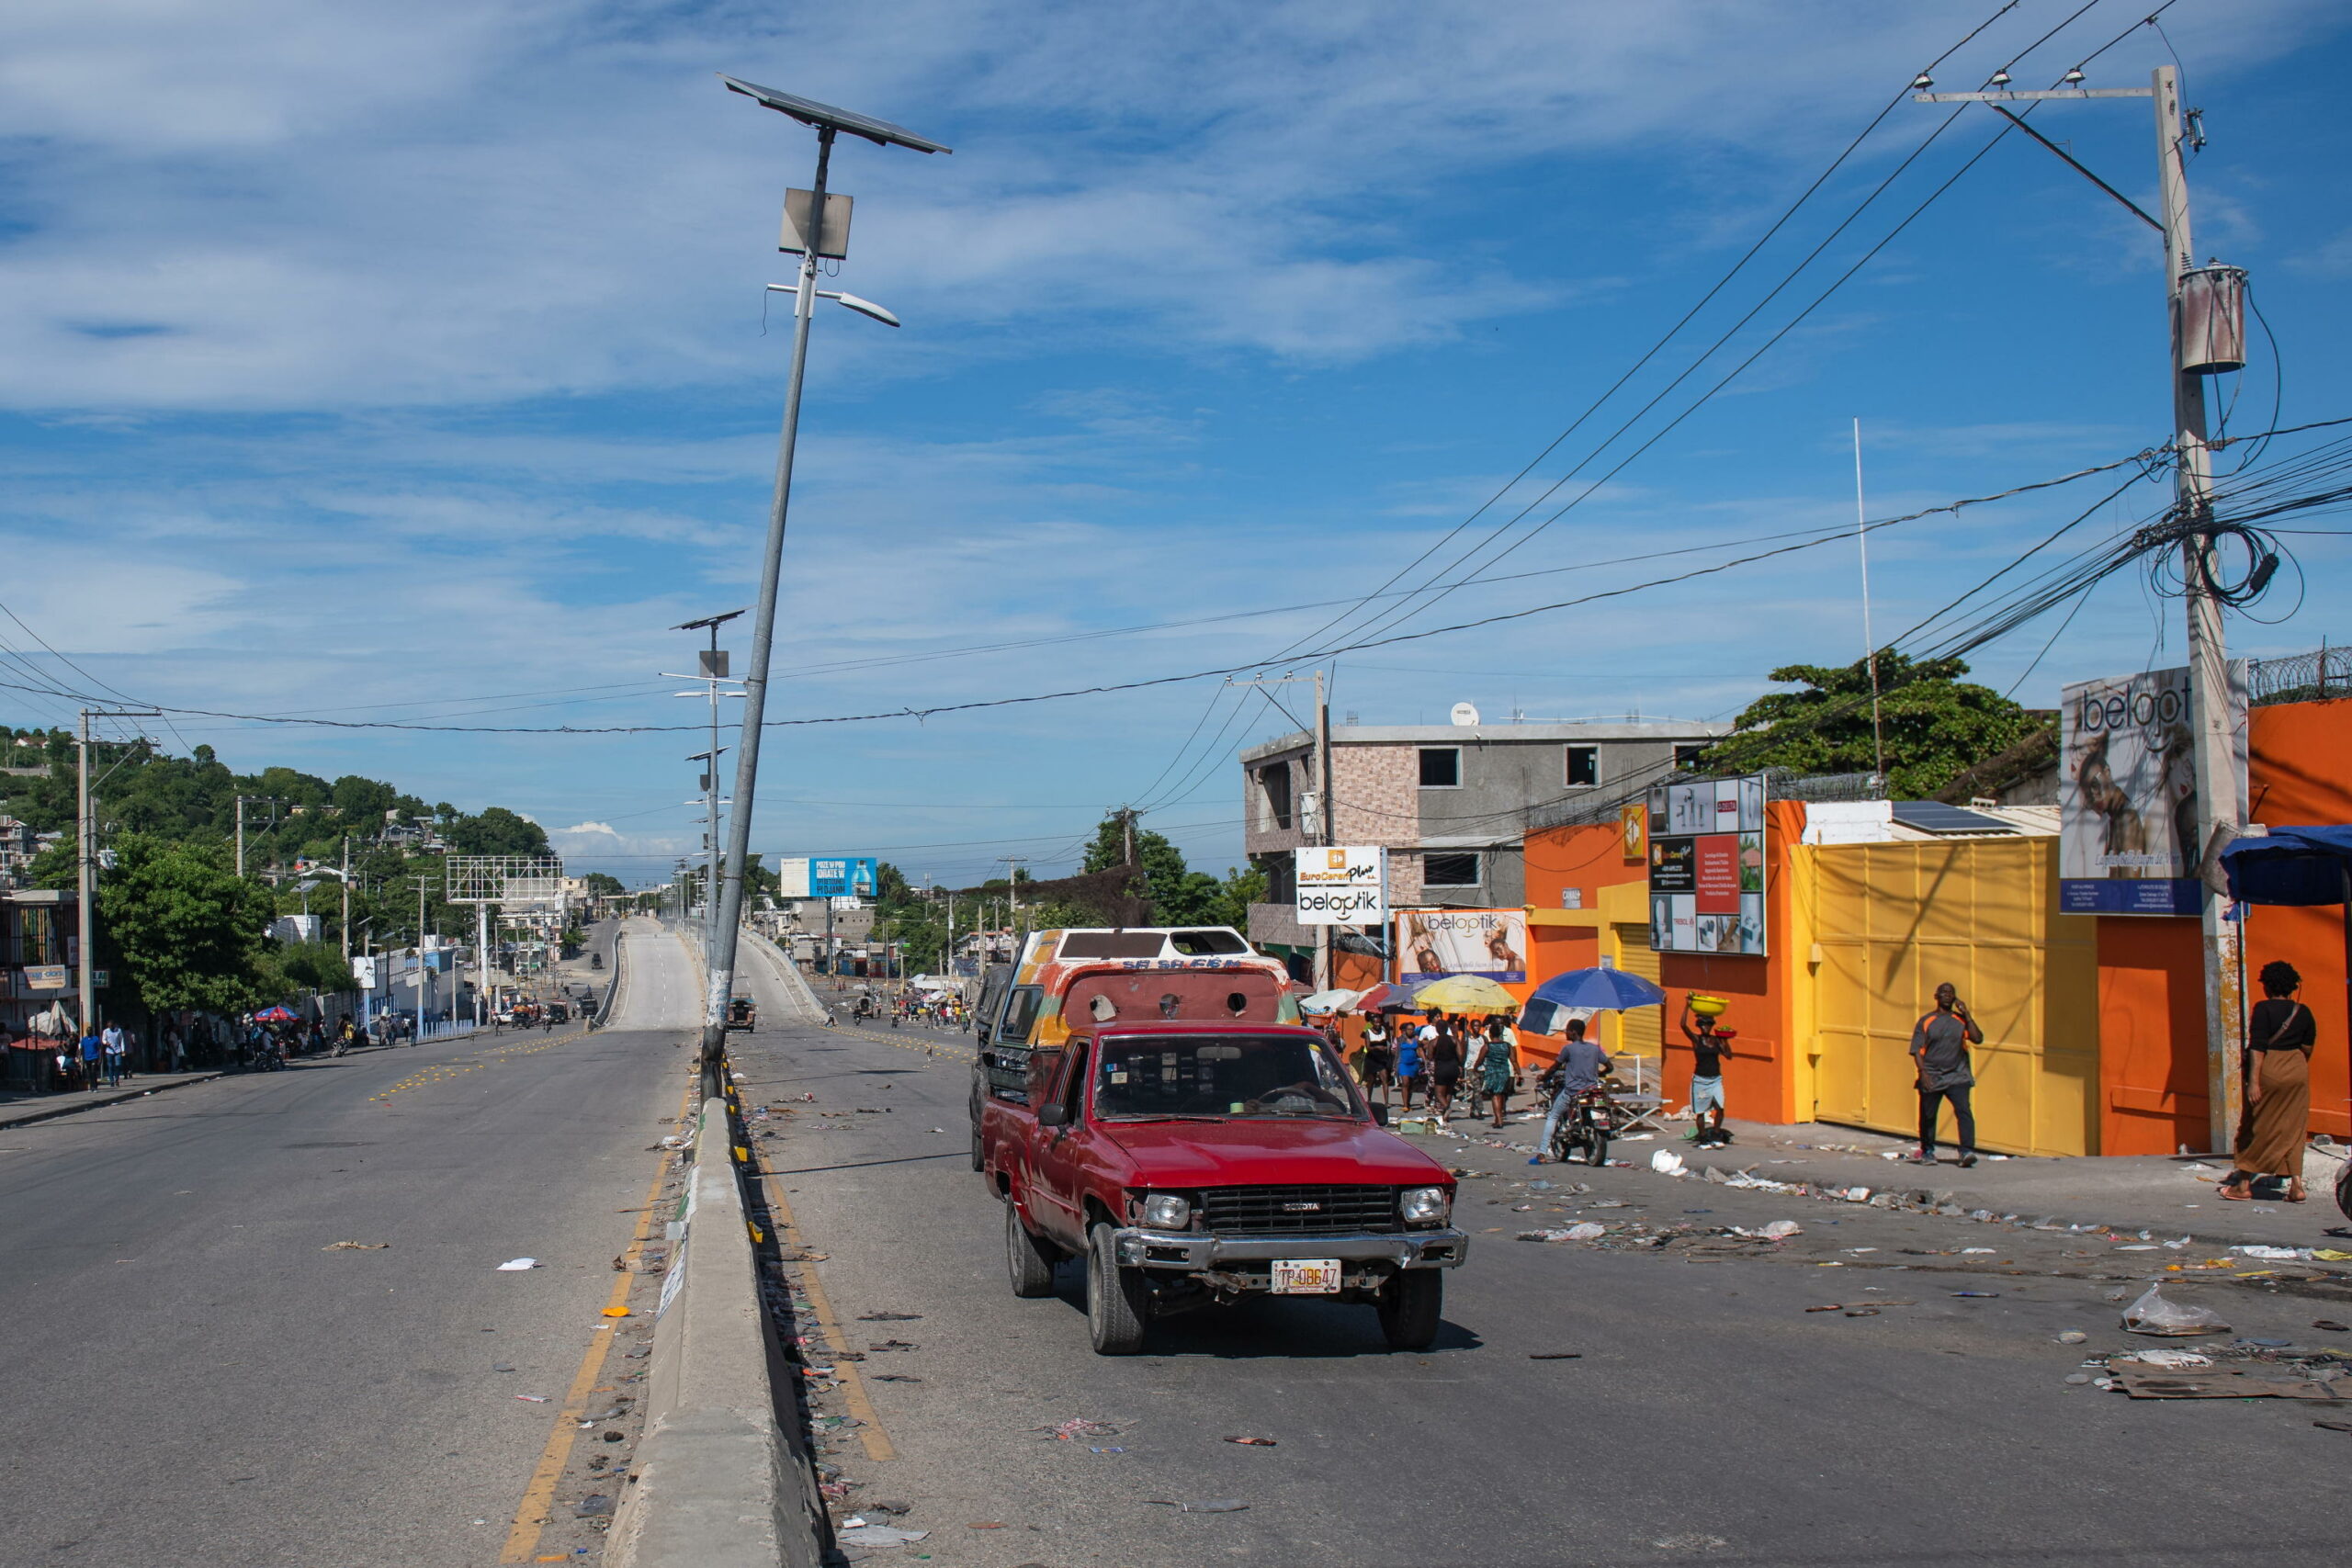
(743, 1014)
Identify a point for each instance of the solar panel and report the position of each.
(808, 111)
(1935, 817)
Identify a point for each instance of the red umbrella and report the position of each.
(1383, 998)
(274, 1015)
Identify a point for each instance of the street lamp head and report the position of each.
(2074, 78)
(1922, 82)
(862, 307)
(824, 117)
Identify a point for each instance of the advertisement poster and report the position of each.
(1434, 943)
(2127, 794)
(1706, 856)
(1342, 886)
(822, 877)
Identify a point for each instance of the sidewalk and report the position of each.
(21, 1108)
(2168, 1196)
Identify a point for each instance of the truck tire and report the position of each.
(1410, 1307)
(1029, 1259)
(1118, 1300)
(979, 1153)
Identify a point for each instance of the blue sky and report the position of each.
(407, 365)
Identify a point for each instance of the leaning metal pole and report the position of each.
(721, 957)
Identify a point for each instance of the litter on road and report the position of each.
(1207, 1506)
(516, 1265)
(355, 1247)
(2154, 1314)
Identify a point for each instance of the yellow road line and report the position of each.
(869, 1429)
(530, 1515)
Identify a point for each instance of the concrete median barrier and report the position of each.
(719, 1482)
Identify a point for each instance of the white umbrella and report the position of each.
(1328, 1001)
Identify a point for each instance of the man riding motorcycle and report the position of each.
(1580, 1070)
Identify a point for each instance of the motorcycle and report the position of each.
(1592, 1119)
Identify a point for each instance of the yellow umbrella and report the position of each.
(1464, 993)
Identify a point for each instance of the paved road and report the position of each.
(196, 1380)
(1710, 1418)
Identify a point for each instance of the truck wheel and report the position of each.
(1410, 1305)
(1029, 1259)
(1117, 1299)
(979, 1153)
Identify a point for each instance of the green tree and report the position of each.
(604, 885)
(184, 929)
(497, 831)
(1179, 896)
(1934, 724)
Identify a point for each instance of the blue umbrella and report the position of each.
(1590, 988)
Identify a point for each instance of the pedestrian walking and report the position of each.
(1497, 1065)
(1410, 1040)
(1939, 1043)
(2280, 1036)
(1442, 1057)
(1376, 1063)
(1709, 1046)
(113, 1047)
(93, 1050)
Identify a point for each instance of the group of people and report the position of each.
(1436, 1057)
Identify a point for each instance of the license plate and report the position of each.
(1306, 1276)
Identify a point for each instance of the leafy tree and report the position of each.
(1179, 896)
(1934, 724)
(497, 831)
(178, 923)
(305, 965)
(604, 885)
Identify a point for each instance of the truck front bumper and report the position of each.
(1193, 1252)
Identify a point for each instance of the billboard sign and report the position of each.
(1706, 856)
(363, 971)
(2127, 793)
(827, 876)
(843, 876)
(1342, 886)
(1434, 943)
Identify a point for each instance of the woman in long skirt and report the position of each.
(2279, 1101)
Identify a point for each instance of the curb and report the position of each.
(122, 1099)
(718, 1482)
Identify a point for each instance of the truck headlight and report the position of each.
(1424, 1205)
(1166, 1212)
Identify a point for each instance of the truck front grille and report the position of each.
(1281, 1210)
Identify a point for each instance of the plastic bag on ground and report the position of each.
(1666, 1162)
(2152, 1313)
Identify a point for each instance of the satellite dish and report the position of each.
(1465, 713)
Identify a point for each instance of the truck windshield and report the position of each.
(1219, 1076)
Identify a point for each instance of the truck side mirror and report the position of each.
(1053, 1115)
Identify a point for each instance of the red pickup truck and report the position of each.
(1195, 1161)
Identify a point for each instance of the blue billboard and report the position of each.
(842, 877)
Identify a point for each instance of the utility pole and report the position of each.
(85, 827)
(345, 922)
(1319, 831)
(1012, 864)
(2220, 810)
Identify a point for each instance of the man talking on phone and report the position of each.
(1939, 1043)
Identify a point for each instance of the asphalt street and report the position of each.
(202, 1377)
(1708, 1416)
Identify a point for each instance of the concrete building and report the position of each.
(1450, 802)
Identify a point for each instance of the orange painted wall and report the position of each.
(2152, 1025)
(2299, 765)
(1759, 1079)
